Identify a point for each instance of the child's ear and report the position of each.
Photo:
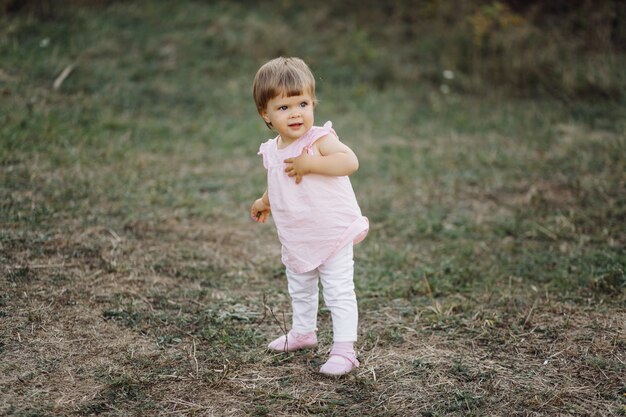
(264, 115)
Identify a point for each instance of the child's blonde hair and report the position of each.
(288, 76)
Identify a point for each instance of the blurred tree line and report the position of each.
(573, 49)
(570, 49)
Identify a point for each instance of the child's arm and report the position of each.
(260, 210)
(335, 159)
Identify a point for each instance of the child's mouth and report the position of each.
(295, 125)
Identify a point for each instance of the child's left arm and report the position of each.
(334, 159)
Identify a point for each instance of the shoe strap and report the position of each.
(298, 336)
(349, 356)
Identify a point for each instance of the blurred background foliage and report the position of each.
(571, 50)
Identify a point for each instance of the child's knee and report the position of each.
(339, 294)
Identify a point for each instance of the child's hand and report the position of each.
(259, 212)
(299, 166)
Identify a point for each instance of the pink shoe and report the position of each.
(341, 362)
(293, 341)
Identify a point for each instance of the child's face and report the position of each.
(291, 117)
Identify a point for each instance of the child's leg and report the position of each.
(337, 279)
(304, 292)
(338, 287)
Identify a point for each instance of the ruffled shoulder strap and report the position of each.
(265, 150)
(317, 132)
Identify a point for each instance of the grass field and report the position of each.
(133, 283)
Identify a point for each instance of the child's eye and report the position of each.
(282, 108)
(304, 104)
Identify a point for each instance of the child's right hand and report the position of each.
(259, 212)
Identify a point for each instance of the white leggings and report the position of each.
(336, 275)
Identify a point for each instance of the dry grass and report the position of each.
(85, 333)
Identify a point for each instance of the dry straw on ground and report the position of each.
(63, 355)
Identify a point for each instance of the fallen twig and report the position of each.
(282, 325)
(41, 266)
(194, 357)
(530, 312)
(64, 74)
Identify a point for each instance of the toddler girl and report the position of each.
(314, 208)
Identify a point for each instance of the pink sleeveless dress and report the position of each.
(315, 218)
